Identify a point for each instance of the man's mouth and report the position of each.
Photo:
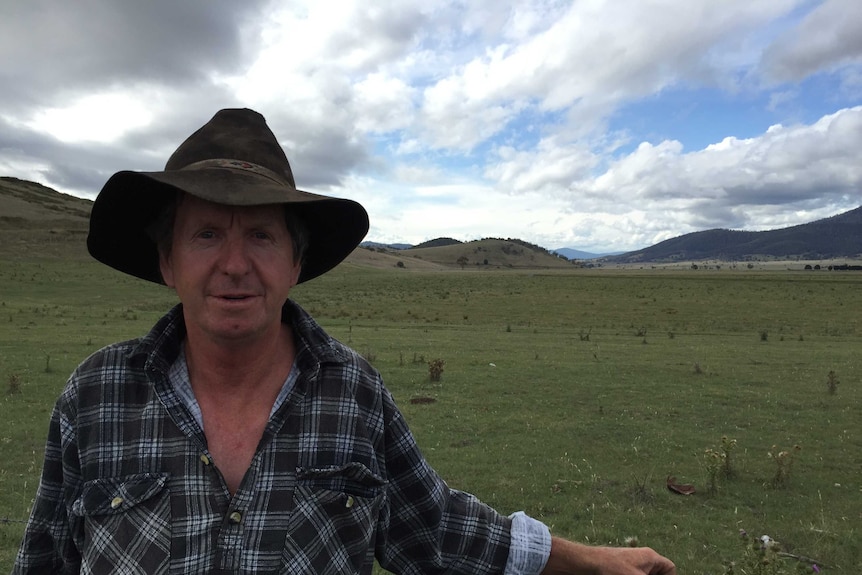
(234, 297)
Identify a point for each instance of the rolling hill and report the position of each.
(36, 221)
(487, 253)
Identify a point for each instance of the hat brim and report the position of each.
(130, 201)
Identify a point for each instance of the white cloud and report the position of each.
(550, 167)
(791, 166)
(589, 60)
(384, 104)
(467, 119)
(94, 118)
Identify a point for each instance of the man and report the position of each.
(237, 436)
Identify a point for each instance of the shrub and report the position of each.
(717, 462)
(435, 369)
(764, 556)
(783, 460)
(13, 384)
(832, 382)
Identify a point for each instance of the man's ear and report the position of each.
(297, 271)
(167, 269)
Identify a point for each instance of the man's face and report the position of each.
(232, 268)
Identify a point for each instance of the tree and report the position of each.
(462, 261)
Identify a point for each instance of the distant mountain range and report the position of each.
(574, 254)
(839, 236)
(836, 237)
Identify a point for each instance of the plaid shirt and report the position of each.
(128, 484)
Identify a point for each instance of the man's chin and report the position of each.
(236, 332)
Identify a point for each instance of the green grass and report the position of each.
(571, 395)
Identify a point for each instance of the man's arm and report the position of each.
(575, 559)
(47, 546)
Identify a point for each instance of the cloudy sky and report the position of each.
(602, 125)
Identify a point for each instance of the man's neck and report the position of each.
(244, 367)
(236, 387)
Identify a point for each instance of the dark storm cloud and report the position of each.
(51, 50)
(320, 154)
(83, 167)
(66, 166)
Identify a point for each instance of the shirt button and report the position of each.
(206, 460)
(235, 517)
(116, 502)
(349, 501)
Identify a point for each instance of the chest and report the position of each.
(287, 493)
(232, 441)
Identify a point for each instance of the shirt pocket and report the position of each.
(334, 520)
(127, 524)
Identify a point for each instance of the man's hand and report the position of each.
(575, 559)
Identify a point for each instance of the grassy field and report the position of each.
(572, 395)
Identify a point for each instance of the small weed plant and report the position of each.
(832, 382)
(435, 369)
(784, 460)
(763, 556)
(13, 384)
(718, 463)
(712, 460)
(727, 446)
(370, 356)
(640, 491)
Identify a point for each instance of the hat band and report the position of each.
(236, 165)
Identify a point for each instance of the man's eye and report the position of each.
(261, 235)
(206, 234)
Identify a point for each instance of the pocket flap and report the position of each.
(117, 494)
(353, 478)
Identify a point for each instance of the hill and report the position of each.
(28, 204)
(837, 237)
(36, 221)
(488, 253)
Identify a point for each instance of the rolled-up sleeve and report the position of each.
(530, 545)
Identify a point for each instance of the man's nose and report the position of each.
(234, 258)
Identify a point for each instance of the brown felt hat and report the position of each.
(234, 159)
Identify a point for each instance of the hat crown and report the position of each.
(234, 134)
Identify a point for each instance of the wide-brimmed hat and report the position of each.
(234, 159)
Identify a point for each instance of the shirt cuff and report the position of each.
(530, 546)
